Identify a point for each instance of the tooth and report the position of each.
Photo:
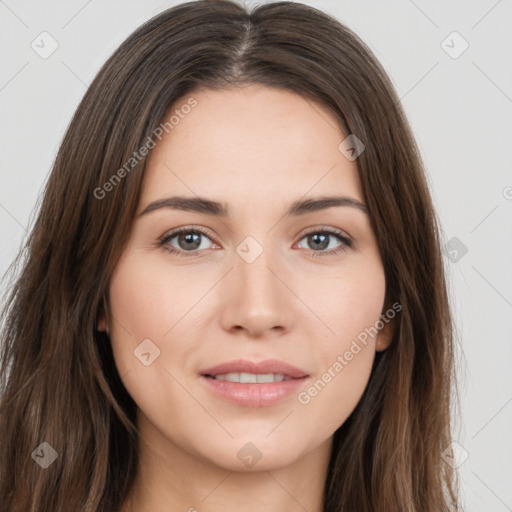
(233, 377)
(248, 378)
(265, 377)
(252, 378)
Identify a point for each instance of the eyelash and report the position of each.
(346, 242)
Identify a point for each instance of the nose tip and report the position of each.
(254, 298)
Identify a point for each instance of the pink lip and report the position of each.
(267, 366)
(249, 394)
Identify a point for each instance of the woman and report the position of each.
(298, 356)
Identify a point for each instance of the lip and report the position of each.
(249, 394)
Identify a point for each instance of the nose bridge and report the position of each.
(252, 266)
(255, 296)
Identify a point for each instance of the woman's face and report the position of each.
(262, 283)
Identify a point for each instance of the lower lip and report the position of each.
(253, 395)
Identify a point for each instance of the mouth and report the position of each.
(251, 384)
(250, 378)
(246, 369)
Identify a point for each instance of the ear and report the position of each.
(385, 335)
(101, 321)
(101, 324)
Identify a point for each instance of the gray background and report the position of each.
(460, 110)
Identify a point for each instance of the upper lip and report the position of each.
(261, 367)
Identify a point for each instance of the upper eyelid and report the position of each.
(174, 232)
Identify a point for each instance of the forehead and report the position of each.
(253, 142)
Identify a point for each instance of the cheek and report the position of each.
(348, 304)
(350, 307)
(147, 314)
(136, 323)
(147, 303)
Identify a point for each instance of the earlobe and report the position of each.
(385, 335)
(101, 324)
(101, 321)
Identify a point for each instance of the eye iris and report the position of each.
(319, 245)
(189, 238)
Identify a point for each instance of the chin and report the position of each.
(246, 455)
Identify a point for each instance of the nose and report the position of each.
(255, 298)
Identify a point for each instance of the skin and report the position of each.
(257, 149)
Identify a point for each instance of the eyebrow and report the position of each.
(209, 207)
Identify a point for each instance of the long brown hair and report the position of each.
(59, 383)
